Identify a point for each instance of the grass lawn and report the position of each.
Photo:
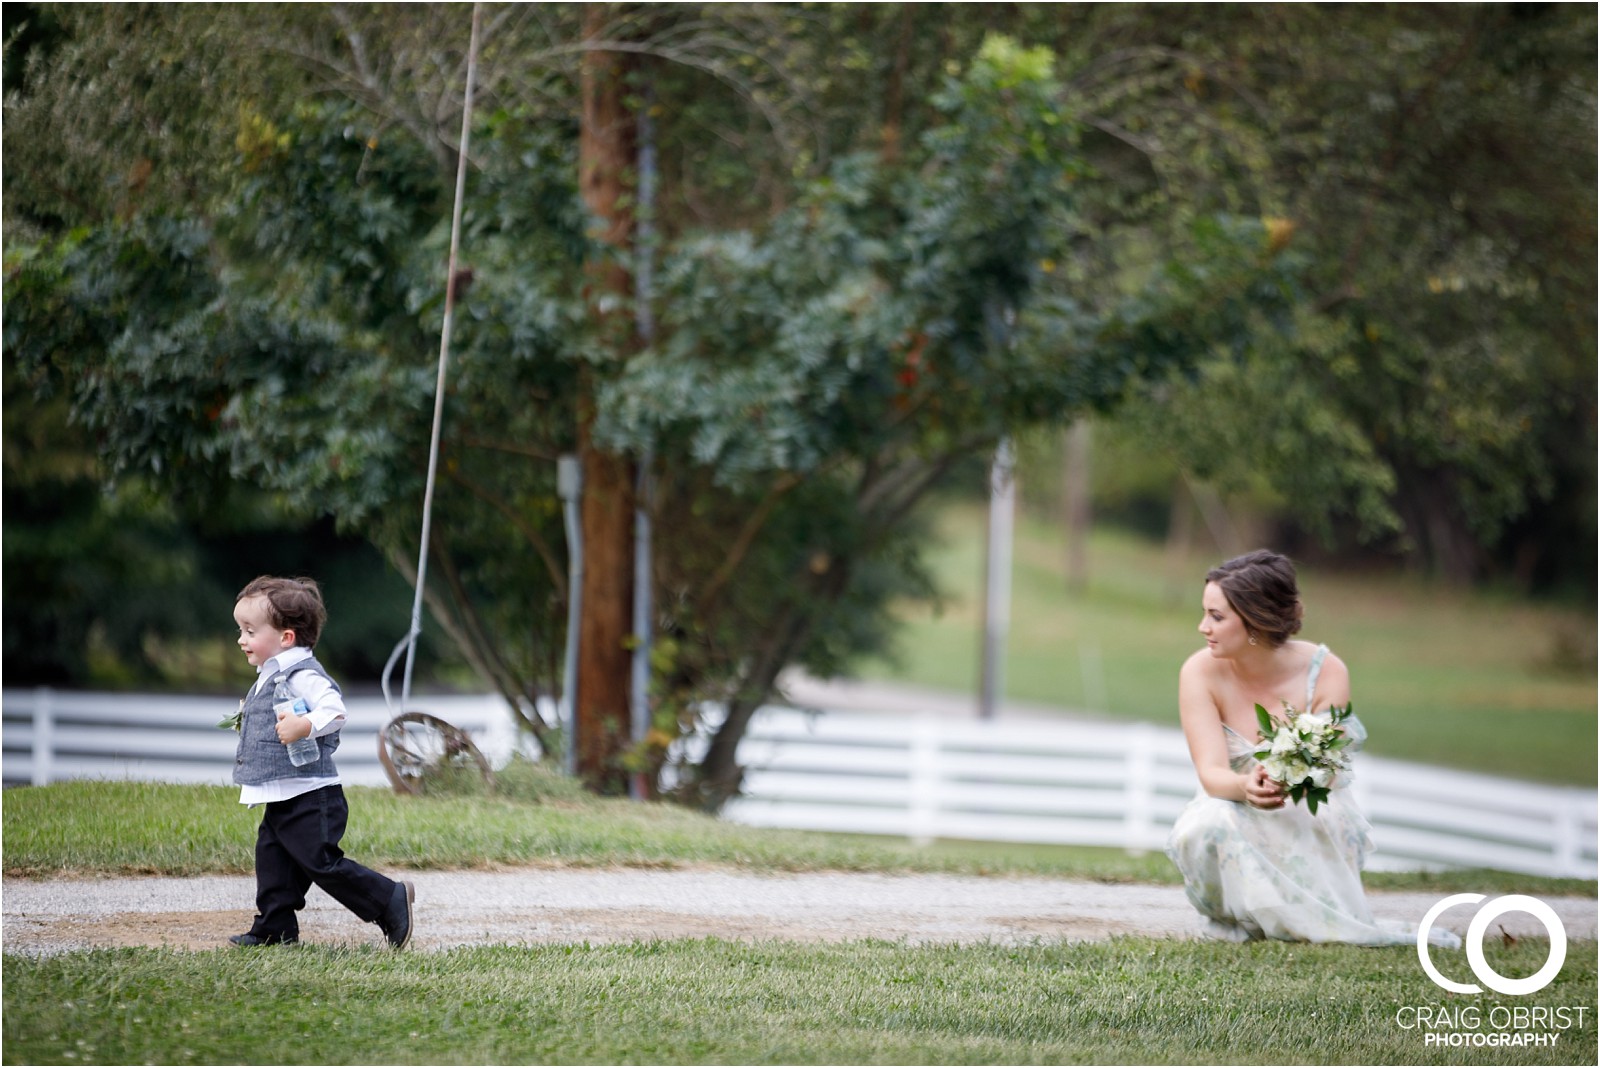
(95, 828)
(715, 1002)
(1464, 679)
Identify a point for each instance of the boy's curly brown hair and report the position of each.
(292, 604)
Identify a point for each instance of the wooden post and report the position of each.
(997, 578)
(44, 734)
(1075, 499)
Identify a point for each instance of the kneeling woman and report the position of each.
(1254, 866)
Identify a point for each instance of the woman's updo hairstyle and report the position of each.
(1261, 588)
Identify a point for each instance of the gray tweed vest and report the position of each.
(261, 757)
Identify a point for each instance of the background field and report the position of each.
(1466, 679)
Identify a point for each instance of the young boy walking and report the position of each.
(279, 622)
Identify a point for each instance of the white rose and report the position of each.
(1321, 776)
(1285, 742)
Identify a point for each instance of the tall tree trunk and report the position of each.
(719, 772)
(1429, 504)
(894, 98)
(606, 152)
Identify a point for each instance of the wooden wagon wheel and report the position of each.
(418, 751)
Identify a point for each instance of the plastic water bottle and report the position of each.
(305, 750)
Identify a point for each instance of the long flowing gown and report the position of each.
(1282, 873)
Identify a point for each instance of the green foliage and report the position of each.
(120, 584)
(88, 574)
(1264, 415)
(896, 320)
(286, 346)
(1434, 172)
(871, 311)
(887, 238)
(97, 130)
(814, 379)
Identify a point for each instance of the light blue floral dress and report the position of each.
(1282, 873)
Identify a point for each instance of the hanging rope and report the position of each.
(409, 643)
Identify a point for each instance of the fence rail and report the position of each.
(49, 735)
(919, 776)
(1077, 783)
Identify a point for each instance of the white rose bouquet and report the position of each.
(1304, 751)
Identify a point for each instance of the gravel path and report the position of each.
(555, 905)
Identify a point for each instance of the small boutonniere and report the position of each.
(233, 722)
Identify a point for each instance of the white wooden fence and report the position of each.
(920, 776)
(1080, 783)
(49, 735)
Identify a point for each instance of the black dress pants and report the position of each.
(297, 845)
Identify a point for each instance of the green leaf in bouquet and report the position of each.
(1265, 720)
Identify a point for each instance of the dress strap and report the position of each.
(1311, 677)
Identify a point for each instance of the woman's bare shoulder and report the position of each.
(1198, 687)
(1333, 684)
(1201, 666)
(1330, 659)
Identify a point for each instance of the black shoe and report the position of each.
(396, 922)
(249, 939)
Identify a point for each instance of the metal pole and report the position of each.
(444, 362)
(569, 487)
(997, 578)
(44, 735)
(644, 286)
(639, 683)
(1002, 321)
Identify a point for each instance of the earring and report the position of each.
(1253, 639)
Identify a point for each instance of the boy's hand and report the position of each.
(291, 728)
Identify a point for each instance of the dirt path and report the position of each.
(564, 905)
